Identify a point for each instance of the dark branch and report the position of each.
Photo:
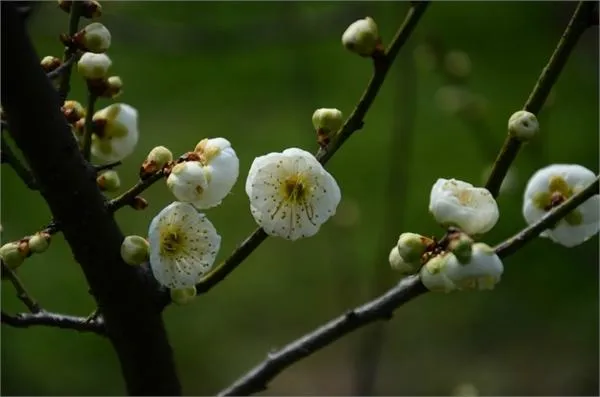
(22, 293)
(125, 295)
(578, 24)
(65, 79)
(64, 67)
(381, 308)
(56, 320)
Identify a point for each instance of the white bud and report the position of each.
(183, 296)
(400, 264)
(12, 254)
(109, 181)
(93, 66)
(135, 250)
(188, 181)
(39, 242)
(523, 125)
(115, 132)
(433, 274)
(482, 272)
(457, 203)
(95, 37)
(411, 246)
(155, 161)
(362, 37)
(327, 120)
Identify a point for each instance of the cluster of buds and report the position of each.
(14, 253)
(94, 68)
(88, 8)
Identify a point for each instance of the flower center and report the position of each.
(294, 189)
(171, 241)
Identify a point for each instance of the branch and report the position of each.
(56, 320)
(381, 308)
(578, 24)
(65, 80)
(352, 124)
(63, 68)
(22, 293)
(126, 295)
(127, 197)
(8, 157)
(87, 130)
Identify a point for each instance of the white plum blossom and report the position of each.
(95, 37)
(183, 245)
(206, 180)
(445, 273)
(550, 187)
(456, 203)
(223, 168)
(115, 132)
(291, 194)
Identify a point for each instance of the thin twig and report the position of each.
(354, 122)
(109, 166)
(8, 157)
(381, 308)
(48, 319)
(578, 24)
(62, 68)
(22, 293)
(127, 197)
(65, 81)
(87, 131)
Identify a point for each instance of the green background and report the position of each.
(254, 73)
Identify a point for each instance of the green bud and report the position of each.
(12, 254)
(183, 296)
(39, 242)
(109, 181)
(135, 250)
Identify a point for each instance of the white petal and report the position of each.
(187, 181)
(571, 236)
(484, 263)
(200, 244)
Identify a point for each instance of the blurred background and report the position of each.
(254, 73)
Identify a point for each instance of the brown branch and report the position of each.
(64, 67)
(578, 24)
(22, 293)
(381, 308)
(65, 79)
(127, 197)
(125, 295)
(55, 320)
(352, 124)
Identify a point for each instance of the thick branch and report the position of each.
(352, 124)
(126, 295)
(578, 24)
(380, 308)
(55, 320)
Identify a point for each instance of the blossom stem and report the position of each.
(578, 24)
(65, 80)
(22, 293)
(352, 124)
(87, 130)
(514, 243)
(381, 308)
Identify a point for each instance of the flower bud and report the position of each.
(328, 120)
(135, 250)
(12, 254)
(139, 203)
(114, 86)
(39, 242)
(461, 246)
(109, 181)
(411, 246)
(183, 296)
(95, 37)
(400, 264)
(50, 63)
(433, 275)
(73, 111)
(523, 125)
(93, 66)
(362, 37)
(155, 161)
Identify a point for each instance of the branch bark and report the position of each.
(56, 320)
(126, 295)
